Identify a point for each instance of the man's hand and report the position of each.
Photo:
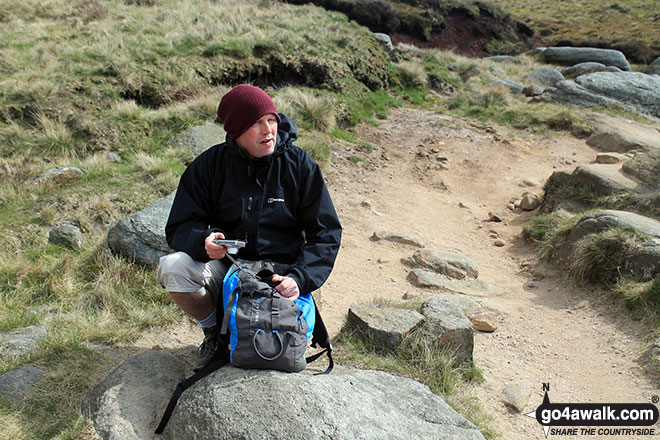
(288, 288)
(215, 251)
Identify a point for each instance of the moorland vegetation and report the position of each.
(84, 78)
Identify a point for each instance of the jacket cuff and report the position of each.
(295, 276)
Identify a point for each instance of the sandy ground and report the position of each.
(586, 348)
(438, 178)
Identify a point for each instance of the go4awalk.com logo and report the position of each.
(603, 419)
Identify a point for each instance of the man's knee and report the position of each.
(178, 272)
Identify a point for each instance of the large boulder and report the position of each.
(646, 168)
(569, 56)
(545, 76)
(128, 404)
(141, 236)
(617, 135)
(601, 179)
(514, 87)
(653, 68)
(568, 92)
(586, 68)
(386, 326)
(634, 89)
(644, 261)
(448, 327)
(344, 405)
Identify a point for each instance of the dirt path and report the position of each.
(587, 349)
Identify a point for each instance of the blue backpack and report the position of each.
(265, 330)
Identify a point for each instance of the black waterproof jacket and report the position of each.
(278, 203)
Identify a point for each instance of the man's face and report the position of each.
(259, 140)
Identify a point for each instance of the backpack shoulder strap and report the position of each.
(184, 385)
(320, 338)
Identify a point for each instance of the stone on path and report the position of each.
(386, 326)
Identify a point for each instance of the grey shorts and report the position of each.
(178, 272)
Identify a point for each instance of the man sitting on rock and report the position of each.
(258, 187)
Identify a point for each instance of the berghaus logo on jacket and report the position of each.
(273, 200)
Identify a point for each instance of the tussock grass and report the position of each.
(420, 359)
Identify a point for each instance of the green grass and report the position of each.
(590, 19)
(416, 357)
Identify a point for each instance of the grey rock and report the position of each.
(345, 405)
(199, 138)
(607, 219)
(484, 321)
(141, 236)
(586, 68)
(514, 87)
(533, 90)
(634, 89)
(616, 135)
(611, 158)
(653, 68)
(569, 56)
(409, 239)
(59, 176)
(545, 76)
(386, 326)
(447, 325)
(603, 179)
(504, 59)
(646, 168)
(568, 92)
(66, 235)
(17, 385)
(387, 41)
(516, 396)
(427, 279)
(113, 157)
(128, 403)
(530, 201)
(21, 342)
(451, 265)
(643, 263)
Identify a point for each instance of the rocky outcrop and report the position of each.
(385, 326)
(447, 326)
(17, 385)
(645, 167)
(586, 68)
(141, 236)
(546, 76)
(128, 403)
(514, 87)
(21, 342)
(635, 89)
(346, 404)
(570, 56)
(451, 265)
(616, 135)
(642, 262)
(653, 68)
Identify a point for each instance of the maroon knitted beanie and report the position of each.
(242, 106)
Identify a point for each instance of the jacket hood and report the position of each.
(286, 135)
